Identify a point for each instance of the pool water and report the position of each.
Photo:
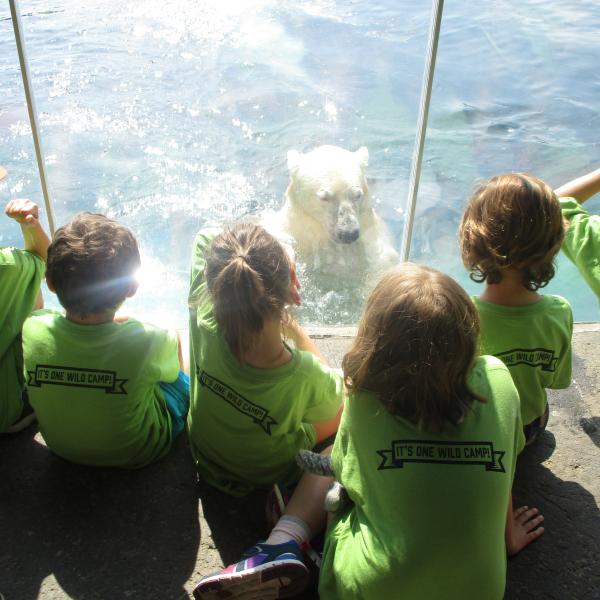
(173, 115)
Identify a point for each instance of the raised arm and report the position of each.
(25, 212)
(581, 188)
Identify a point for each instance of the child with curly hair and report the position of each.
(510, 234)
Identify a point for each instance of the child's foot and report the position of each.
(265, 571)
(524, 529)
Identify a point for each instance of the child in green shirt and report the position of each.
(107, 391)
(426, 451)
(255, 400)
(510, 233)
(582, 238)
(21, 272)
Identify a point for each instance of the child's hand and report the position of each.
(23, 211)
(523, 528)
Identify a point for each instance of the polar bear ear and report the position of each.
(363, 156)
(293, 160)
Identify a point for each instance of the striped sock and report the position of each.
(289, 528)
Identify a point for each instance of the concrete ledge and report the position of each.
(99, 534)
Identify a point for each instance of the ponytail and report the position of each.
(248, 276)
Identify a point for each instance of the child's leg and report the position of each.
(275, 568)
(521, 527)
(532, 430)
(26, 418)
(304, 515)
(177, 399)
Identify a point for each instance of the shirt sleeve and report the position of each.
(340, 446)
(21, 273)
(328, 395)
(198, 298)
(165, 361)
(562, 374)
(582, 241)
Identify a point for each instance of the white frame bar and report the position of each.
(417, 159)
(35, 131)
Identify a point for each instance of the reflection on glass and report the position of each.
(170, 116)
(513, 92)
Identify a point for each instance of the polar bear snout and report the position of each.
(347, 228)
(347, 236)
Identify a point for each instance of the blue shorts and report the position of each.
(177, 398)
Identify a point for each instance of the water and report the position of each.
(177, 114)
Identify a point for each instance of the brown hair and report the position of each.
(415, 347)
(248, 275)
(91, 264)
(512, 221)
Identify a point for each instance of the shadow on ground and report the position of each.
(102, 533)
(564, 563)
(99, 534)
(236, 524)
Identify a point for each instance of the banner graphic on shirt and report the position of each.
(76, 377)
(454, 453)
(257, 413)
(533, 357)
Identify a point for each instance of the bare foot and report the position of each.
(523, 529)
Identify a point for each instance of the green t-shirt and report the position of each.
(534, 341)
(582, 241)
(21, 273)
(429, 509)
(95, 388)
(247, 424)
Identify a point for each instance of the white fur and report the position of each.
(328, 216)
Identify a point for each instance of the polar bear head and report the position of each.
(329, 185)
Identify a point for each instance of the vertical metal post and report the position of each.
(415, 171)
(16, 19)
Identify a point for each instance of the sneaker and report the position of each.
(264, 572)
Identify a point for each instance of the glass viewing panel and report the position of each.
(171, 116)
(514, 90)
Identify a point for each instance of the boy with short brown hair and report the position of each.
(97, 382)
(510, 234)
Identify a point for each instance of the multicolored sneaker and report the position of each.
(265, 572)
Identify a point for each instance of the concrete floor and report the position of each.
(73, 532)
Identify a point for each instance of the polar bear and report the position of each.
(328, 217)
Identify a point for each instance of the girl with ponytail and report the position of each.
(255, 400)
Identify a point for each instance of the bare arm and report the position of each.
(302, 341)
(581, 188)
(325, 429)
(25, 212)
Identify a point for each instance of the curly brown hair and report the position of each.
(512, 222)
(92, 263)
(415, 346)
(248, 275)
